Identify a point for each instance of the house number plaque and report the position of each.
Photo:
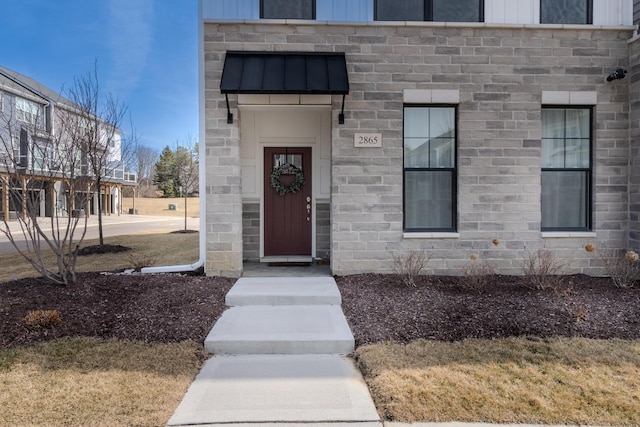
(367, 140)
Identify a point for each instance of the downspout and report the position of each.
(201, 166)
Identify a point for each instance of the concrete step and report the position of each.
(284, 291)
(300, 329)
(260, 389)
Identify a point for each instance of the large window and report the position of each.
(430, 10)
(566, 169)
(430, 168)
(27, 111)
(566, 11)
(288, 9)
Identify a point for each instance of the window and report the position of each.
(430, 179)
(42, 155)
(15, 149)
(566, 11)
(288, 9)
(566, 169)
(27, 111)
(430, 10)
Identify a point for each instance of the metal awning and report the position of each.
(318, 73)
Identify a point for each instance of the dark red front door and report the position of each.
(287, 217)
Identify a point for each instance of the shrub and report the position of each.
(141, 261)
(38, 319)
(542, 269)
(576, 312)
(622, 266)
(477, 274)
(410, 265)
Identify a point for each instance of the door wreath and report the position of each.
(287, 169)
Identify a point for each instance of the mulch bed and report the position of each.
(149, 308)
(380, 308)
(175, 307)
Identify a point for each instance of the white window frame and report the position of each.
(588, 172)
(452, 170)
(27, 111)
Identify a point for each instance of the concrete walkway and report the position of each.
(280, 358)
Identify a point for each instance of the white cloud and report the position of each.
(130, 39)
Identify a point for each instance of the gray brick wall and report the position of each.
(500, 74)
(323, 230)
(223, 173)
(634, 158)
(251, 231)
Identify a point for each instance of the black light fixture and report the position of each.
(617, 74)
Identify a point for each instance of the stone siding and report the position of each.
(223, 173)
(323, 230)
(251, 231)
(500, 74)
(634, 158)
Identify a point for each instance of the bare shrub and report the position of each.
(41, 319)
(138, 262)
(576, 312)
(542, 269)
(622, 266)
(410, 265)
(477, 274)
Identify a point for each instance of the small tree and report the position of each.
(186, 158)
(40, 171)
(146, 158)
(104, 148)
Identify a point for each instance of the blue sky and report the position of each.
(147, 53)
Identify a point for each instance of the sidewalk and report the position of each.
(280, 359)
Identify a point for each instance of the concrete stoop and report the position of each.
(279, 359)
(299, 329)
(282, 315)
(284, 291)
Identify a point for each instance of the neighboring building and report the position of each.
(435, 125)
(30, 132)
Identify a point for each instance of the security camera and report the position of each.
(616, 75)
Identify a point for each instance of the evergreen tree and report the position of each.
(166, 177)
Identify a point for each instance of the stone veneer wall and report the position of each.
(634, 157)
(323, 230)
(251, 231)
(500, 74)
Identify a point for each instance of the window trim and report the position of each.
(30, 114)
(428, 12)
(453, 170)
(590, 179)
(589, 15)
(313, 12)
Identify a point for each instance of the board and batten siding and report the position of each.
(517, 12)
